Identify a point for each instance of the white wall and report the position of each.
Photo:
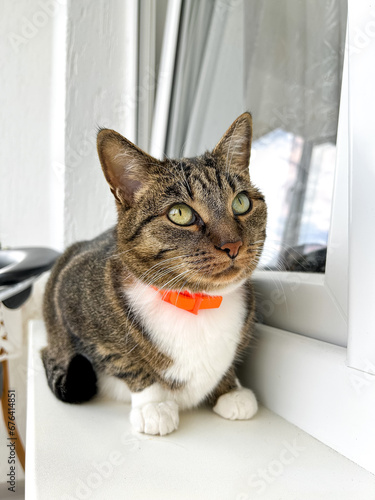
(26, 28)
(63, 74)
(25, 65)
(59, 81)
(96, 95)
(52, 190)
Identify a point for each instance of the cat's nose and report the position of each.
(232, 249)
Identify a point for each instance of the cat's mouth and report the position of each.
(225, 273)
(232, 270)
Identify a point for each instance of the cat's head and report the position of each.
(194, 224)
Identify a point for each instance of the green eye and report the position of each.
(181, 214)
(241, 204)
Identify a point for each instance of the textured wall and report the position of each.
(25, 62)
(26, 29)
(61, 79)
(96, 95)
(63, 72)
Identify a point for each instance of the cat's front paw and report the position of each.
(155, 418)
(239, 404)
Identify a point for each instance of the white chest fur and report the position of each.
(201, 346)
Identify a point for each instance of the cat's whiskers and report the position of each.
(160, 264)
(199, 281)
(187, 258)
(156, 276)
(274, 247)
(188, 271)
(176, 278)
(259, 242)
(159, 273)
(278, 284)
(194, 272)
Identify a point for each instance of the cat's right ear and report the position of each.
(125, 166)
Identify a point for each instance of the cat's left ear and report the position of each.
(233, 149)
(125, 166)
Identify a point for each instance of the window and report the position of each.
(325, 383)
(287, 70)
(316, 305)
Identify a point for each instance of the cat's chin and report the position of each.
(226, 288)
(222, 286)
(221, 282)
(229, 273)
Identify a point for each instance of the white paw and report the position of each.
(155, 418)
(239, 404)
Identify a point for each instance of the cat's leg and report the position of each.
(70, 375)
(232, 401)
(153, 412)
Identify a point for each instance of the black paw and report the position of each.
(78, 384)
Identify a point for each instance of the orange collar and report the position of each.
(191, 302)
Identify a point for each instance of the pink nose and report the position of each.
(232, 248)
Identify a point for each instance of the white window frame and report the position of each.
(316, 305)
(321, 385)
(165, 79)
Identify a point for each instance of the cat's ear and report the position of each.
(125, 166)
(233, 149)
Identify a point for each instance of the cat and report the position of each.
(161, 306)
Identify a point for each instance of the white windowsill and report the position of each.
(309, 383)
(207, 458)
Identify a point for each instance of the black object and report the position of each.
(19, 264)
(308, 258)
(19, 268)
(17, 300)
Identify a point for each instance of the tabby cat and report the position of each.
(160, 308)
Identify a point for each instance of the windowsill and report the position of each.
(208, 457)
(309, 383)
(300, 303)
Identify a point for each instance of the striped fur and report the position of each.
(96, 310)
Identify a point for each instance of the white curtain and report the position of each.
(280, 59)
(196, 20)
(210, 69)
(293, 60)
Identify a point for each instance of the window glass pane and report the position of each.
(282, 60)
(294, 58)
